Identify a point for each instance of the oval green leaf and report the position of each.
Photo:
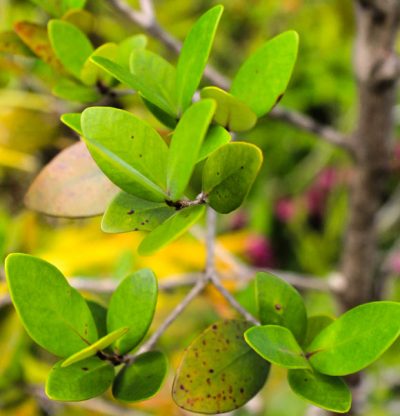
(127, 46)
(279, 303)
(128, 150)
(315, 324)
(71, 186)
(11, 43)
(356, 339)
(170, 229)
(54, 314)
(216, 137)
(129, 213)
(132, 305)
(160, 114)
(93, 349)
(142, 379)
(157, 78)
(229, 173)
(185, 146)
(219, 372)
(277, 345)
(80, 381)
(67, 89)
(99, 313)
(70, 44)
(73, 121)
(263, 78)
(194, 55)
(231, 113)
(330, 393)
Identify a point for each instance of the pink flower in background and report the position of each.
(285, 209)
(259, 251)
(319, 191)
(394, 263)
(239, 220)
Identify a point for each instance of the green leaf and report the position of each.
(54, 314)
(129, 213)
(157, 78)
(216, 137)
(127, 46)
(36, 39)
(73, 121)
(279, 303)
(194, 55)
(160, 115)
(231, 113)
(185, 146)
(142, 379)
(93, 349)
(70, 45)
(277, 345)
(315, 324)
(57, 7)
(11, 43)
(229, 173)
(71, 186)
(370, 329)
(128, 150)
(330, 393)
(132, 305)
(219, 372)
(91, 73)
(170, 229)
(70, 90)
(263, 78)
(80, 381)
(99, 313)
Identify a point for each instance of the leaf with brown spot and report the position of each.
(221, 374)
(36, 39)
(71, 186)
(11, 43)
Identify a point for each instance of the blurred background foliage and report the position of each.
(293, 219)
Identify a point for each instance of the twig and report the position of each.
(294, 118)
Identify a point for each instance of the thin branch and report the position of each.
(294, 118)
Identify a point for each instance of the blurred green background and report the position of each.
(293, 220)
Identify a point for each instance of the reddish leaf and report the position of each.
(71, 186)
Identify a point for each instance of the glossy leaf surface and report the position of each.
(330, 393)
(279, 303)
(185, 146)
(263, 78)
(142, 379)
(229, 173)
(277, 345)
(216, 137)
(194, 55)
(80, 381)
(132, 305)
(356, 339)
(54, 314)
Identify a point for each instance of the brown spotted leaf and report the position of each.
(35, 37)
(11, 43)
(71, 186)
(219, 372)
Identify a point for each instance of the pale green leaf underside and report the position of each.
(142, 379)
(170, 230)
(93, 349)
(129, 213)
(277, 345)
